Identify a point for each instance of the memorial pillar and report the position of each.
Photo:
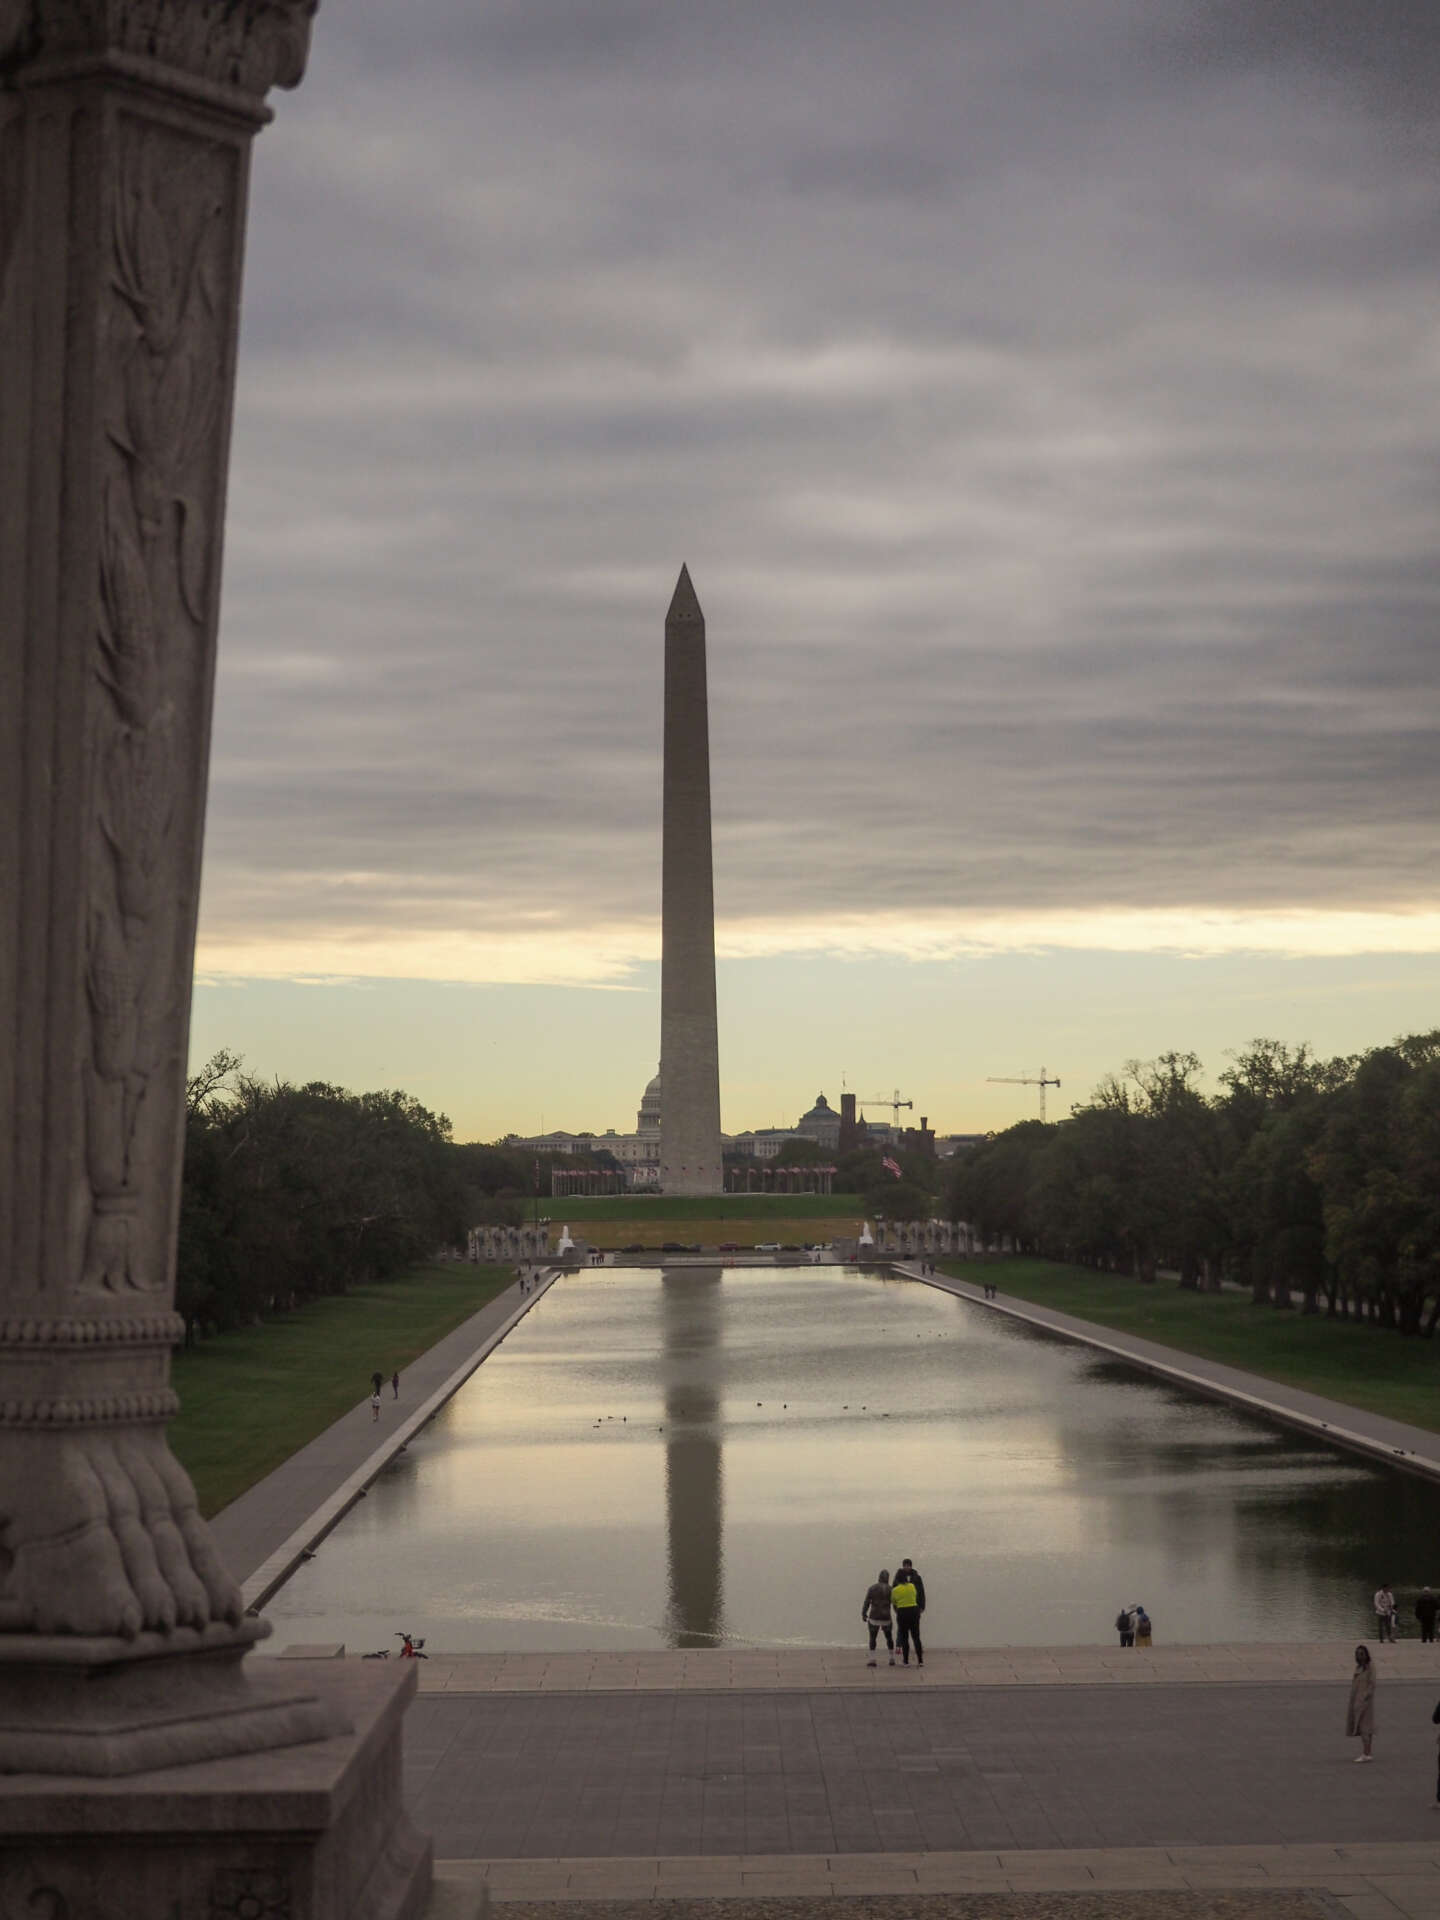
(125, 128)
(124, 141)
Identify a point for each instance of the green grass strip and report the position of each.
(251, 1398)
(679, 1206)
(1361, 1366)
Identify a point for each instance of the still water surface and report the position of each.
(715, 1456)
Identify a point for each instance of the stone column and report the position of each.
(125, 128)
(124, 139)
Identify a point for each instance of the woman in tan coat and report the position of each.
(1360, 1714)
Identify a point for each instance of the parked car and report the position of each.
(637, 1248)
(767, 1246)
(728, 1246)
(674, 1246)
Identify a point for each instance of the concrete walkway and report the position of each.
(947, 1790)
(1374, 1881)
(810, 1669)
(1393, 1441)
(265, 1533)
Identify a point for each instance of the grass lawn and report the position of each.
(250, 1399)
(760, 1207)
(710, 1232)
(615, 1220)
(1363, 1366)
(711, 1220)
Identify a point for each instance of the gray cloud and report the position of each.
(1044, 400)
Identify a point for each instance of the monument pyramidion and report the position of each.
(690, 1160)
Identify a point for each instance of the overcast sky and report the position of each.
(1044, 396)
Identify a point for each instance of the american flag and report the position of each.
(891, 1166)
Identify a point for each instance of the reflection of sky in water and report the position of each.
(712, 1457)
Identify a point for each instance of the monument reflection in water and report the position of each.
(706, 1456)
(694, 1464)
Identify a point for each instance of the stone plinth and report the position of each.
(311, 1832)
(75, 1705)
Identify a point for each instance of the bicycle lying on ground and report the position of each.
(409, 1649)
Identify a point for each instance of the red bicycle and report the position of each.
(409, 1649)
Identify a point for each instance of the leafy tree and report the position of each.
(900, 1200)
(801, 1153)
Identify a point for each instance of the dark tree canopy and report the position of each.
(1316, 1180)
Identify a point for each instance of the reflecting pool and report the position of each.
(709, 1456)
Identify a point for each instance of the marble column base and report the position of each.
(101, 1707)
(315, 1831)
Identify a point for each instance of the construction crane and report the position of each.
(1024, 1080)
(891, 1100)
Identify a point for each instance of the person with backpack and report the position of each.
(1125, 1626)
(875, 1612)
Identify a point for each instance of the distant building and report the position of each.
(949, 1144)
(637, 1154)
(550, 1142)
(821, 1124)
(762, 1143)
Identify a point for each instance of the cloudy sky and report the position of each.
(1044, 396)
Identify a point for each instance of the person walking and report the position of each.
(375, 1406)
(1384, 1604)
(1360, 1714)
(375, 1380)
(1435, 1722)
(1426, 1608)
(906, 1603)
(875, 1612)
(1125, 1626)
(395, 1383)
(1142, 1627)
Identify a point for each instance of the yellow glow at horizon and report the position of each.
(606, 955)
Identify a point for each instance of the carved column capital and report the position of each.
(248, 46)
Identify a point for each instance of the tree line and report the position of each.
(1304, 1179)
(292, 1192)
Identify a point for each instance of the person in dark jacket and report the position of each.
(908, 1571)
(875, 1612)
(1426, 1608)
(906, 1602)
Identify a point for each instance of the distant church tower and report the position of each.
(690, 1159)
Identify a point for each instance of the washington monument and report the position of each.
(690, 1159)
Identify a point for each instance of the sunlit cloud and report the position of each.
(607, 956)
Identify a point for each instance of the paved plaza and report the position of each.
(801, 1669)
(951, 1770)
